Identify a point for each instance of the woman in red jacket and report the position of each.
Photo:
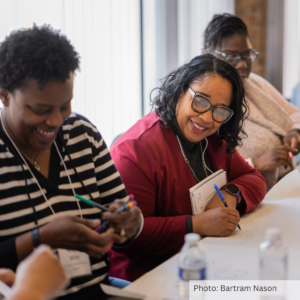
(196, 126)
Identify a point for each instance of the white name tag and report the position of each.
(76, 263)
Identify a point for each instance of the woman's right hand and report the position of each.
(74, 233)
(220, 221)
(273, 158)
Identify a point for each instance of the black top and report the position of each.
(192, 151)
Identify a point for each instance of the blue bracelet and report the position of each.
(35, 237)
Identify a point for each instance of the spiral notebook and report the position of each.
(202, 192)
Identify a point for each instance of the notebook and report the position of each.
(203, 192)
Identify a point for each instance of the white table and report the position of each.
(236, 257)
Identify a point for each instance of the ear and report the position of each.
(4, 97)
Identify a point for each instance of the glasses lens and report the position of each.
(201, 104)
(253, 55)
(221, 114)
(233, 59)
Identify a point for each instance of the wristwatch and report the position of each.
(35, 237)
(233, 190)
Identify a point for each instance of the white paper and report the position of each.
(113, 291)
(203, 192)
(5, 290)
(76, 263)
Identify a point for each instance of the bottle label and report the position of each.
(192, 274)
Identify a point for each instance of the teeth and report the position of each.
(198, 127)
(49, 133)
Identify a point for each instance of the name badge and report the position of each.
(76, 263)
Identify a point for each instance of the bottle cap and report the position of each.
(192, 238)
(273, 234)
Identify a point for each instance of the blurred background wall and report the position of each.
(127, 46)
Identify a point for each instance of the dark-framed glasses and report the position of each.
(200, 104)
(233, 58)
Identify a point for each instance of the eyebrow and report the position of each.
(208, 96)
(205, 95)
(46, 105)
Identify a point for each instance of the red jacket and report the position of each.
(153, 169)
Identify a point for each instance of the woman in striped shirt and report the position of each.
(47, 155)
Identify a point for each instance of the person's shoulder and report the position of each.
(79, 123)
(149, 135)
(147, 129)
(259, 80)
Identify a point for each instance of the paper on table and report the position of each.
(113, 291)
(203, 192)
(287, 187)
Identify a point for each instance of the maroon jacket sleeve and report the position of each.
(140, 172)
(250, 182)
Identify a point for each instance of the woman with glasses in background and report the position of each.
(273, 123)
(196, 126)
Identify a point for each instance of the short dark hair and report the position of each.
(39, 53)
(177, 83)
(222, 26)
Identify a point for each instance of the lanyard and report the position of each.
(36, 181)
(205, 167)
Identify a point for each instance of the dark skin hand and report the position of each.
(273, 158)
(7, 276)
(74, 233)
(292, 139)
(217, 220)
(129, 220)
(220, 221)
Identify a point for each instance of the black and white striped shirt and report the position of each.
(95, 169)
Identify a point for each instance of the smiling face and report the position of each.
(33, 117)
(194, 126)
(237, 44)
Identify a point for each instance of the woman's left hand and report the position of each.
(128, 221)
(292, 139)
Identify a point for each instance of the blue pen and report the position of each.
(223, 200)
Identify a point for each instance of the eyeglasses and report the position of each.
(249, 57)
(200, 104)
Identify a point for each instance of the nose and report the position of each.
(55, 120)
(207, 116)
(241, 64)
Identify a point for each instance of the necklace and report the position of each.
(187, 161)
(36, 181)
(34, 162)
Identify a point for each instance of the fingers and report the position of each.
(128, 220)
(292, 139)
(92, 223)
(287, 148)
(7, 276)
(116, 204)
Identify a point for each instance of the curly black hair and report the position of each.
(39, 53)
(222, 26)
(177, 83)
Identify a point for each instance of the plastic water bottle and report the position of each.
(273, 256)
(191, 263)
